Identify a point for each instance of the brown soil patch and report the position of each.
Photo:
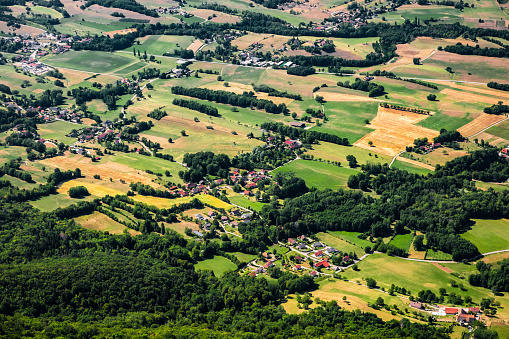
(38, 91)
(88, 121)
(120, 32)
(394, 130)
(100, 222)
(469, 97)
(480, 123)
(195, 45)
(127, 14)
(471, 59)
(445, 269)
(105, 169)
(73, 7)
(24, 29)
(453, 113)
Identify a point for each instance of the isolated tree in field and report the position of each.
(431, 97)
(294, 115)
(370, 143)
(183, 132)
(366, 121)
(352, 161)
(370, 282)
(448, 69)
(320, 99)
(417, 61)
(170, 140)
(134, 51)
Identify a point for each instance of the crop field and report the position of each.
(437, 255)
(218, 265)
(100, 62)
(96, 189)
(320, 175)
(131, 68)
(101, 222)
(394, 130)
(219, 17)
(489, 235)
(165, 203)
(480, 123)
(57, 131)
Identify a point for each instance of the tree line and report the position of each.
(307, 136)
(196, 106)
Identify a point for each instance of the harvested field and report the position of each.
(20, 31)
(100, 222)
(469, 97)
(220, 17)
(394, 130)
(493, 139)
(445, 269)
(106, 169)
(488, 91)
(195, 45)
(127, 14)
(165, 203)
(239, 88)
(94, 189)
(480, 123)
(120, 32)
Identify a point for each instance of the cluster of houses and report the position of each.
(57, 113)
(464, 315)
(99, 133)
(173, 10)
(179, 72)
(250, 179)
(430, 147)
(233, 220)
(33, 67)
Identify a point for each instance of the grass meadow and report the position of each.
(405, 166)
(57, 131)
(489, 235)
(218, 265)
(402, 241)
(100, 62)
(160, 44)
(319, 174)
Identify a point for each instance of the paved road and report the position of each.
(393, 159)
(473, 135)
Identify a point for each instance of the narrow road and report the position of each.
(393, 159)
(145, 147)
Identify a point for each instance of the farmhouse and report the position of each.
(465, 318)
(450, 310)
(322, 263)
(297, 124)
(416, 304)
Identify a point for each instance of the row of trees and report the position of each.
(306, 136)
(276, 93)
(366, 86)
(196, 106)
(224, 97)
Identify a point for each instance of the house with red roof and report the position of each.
(297, 267)
(313, 273)
(318, 254)
(291, 241)
(451, 310)
(322, 263)
(269, 263)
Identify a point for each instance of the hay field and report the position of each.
(416, 163)
(239, 88)
(332, 96)
(99, 62)
(93, 188)
(480, 123)
(195, 45)
(106, 170)
(394, 130)
(220, 17)
(469, 97)
(101, 222)
(24, 29)
(165, 203)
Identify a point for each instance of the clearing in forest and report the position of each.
(394, 130)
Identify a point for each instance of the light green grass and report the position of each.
(489, 235)
(247, 203)
(496, 187)
(57, 131)
(132, 68)
(89, 26)
(280, 249)
(219, 265)
(339, 244)
(501, 130)
(160, 44)
(319, 174)
(437, 255)
(96, 61)
(339, 153)
(441, 120)
(402, 241)
(405, 166)
(351, 237)
(52, 202)
(244, 257)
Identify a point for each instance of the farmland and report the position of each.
(218, 265)
(489, 235)
(99, 62)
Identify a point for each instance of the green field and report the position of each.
(57, 131)
(334, 152)
(131, 68)
(339, 244)
(351, 237)
(398, 164)
(501, 130)
(319, 174)
(219, 265)
(98, 62)
(489, 235)
(247, 203)
(402, 241)
(437, 255)
(440, 120)
(243, 257)
(89, 26)
(52, 202)
(160, 44)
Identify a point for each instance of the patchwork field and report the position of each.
(101, 222)
(478, 124)
(394, 130)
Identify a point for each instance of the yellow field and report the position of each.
(195, 45)
(479, 123)
(239, 88)
(94, 189)
(100, 222)
(165, 203)
(394, 130)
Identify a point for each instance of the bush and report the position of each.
(78, 192)
(431, 97)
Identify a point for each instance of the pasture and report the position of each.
(402, 241)
(246, 202)
(339, 244)
(160, 44)
(437, 255)
(352, 238)
(52, 202)
(405, 166)
(319, 175)
(489, 235)
(218, 265)
(57, 131)
(100, 62)
(333, 152)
